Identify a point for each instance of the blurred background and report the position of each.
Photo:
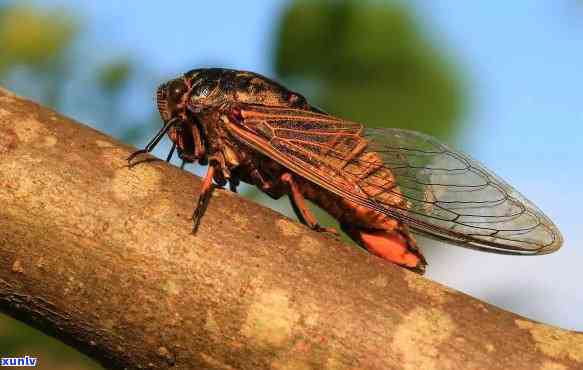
(503, 84)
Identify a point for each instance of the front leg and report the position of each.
(204, 196)
(301, 208)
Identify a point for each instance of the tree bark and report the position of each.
(102, 256)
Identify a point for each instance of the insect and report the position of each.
(381, 185)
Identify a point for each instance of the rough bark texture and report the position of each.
(101, 256)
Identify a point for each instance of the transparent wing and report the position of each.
(436, 190)
(453, 197)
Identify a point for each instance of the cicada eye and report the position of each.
(169, 96)
(176, 90)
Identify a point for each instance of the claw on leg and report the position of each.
(203, 199)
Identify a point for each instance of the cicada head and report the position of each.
(179, 124)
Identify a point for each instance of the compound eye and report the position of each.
(176, 90)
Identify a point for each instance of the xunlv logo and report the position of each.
(19, 361)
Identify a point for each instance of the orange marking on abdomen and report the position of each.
(390, 246)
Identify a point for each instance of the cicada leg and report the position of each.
(300, 207)
(203, 198)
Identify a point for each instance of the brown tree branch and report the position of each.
(101, 256)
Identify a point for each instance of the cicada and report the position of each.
(380, 184)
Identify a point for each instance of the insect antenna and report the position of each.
(155, 140)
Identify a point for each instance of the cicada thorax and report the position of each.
(226, 87)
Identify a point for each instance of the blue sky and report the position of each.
(523, 62)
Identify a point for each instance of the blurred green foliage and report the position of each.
(42, 59)
(114, 76)
(36, 42)
(369, 61)
(33, 38)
